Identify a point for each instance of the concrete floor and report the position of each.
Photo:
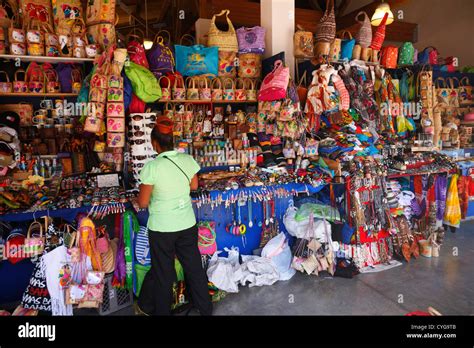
(445, 283)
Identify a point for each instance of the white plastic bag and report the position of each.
(224, 272)
(278, 250)
(295, 228)
(303, 229)
(258, 271)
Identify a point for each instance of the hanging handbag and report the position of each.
(165, 88)
(465, 92)
(326, 29)
(251, 40)
(364, 35)
(225, 40)
(135, 49)
(34, 244)
(216, 90)
(227, 64)
(52, 81)
(36, 81)
(100, 11)
(102, 241)
(14, 245)
(347, 45)
(196, 60)
(405, 54)
(275, 84)
(250, 90)
(79, 39)
(379, 35)
(116, 139)
(102, 34)
(63, 30)
(240, 93)
(66, 11)
(389, 57)
(15, 35)
(76, 81)
(268, 64)
(35, 39)
(192, 92)
(303, 43)
(39, 10)
(179, 89)
(228, 89)
(207, 237)
(19, 86)
(5, 86)
(250, 65)
(335, 50)
(160, 57)
(443, 92)
(428, 56)
(204, 88)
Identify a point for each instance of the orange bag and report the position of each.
(389, 57)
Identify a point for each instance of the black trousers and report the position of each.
(156, 294)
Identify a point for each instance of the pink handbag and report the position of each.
(274, 85)
(207, 238)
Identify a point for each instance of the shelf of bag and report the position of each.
(207, 102)
(38, 95)
(43, 59)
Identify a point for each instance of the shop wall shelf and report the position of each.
(207, 102)
(38, 95)
(43, 59)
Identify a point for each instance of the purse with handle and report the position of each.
(364, 35)
(225, 40)
(275, 84)
(251, 40)
(303, 43)
(34, 244)
(326, 29)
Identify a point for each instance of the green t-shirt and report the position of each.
(170, 206)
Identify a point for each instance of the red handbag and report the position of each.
(389, 57)
(379, 35)
(14, 248)
(275, 83)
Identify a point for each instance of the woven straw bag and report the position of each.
(364, 35)
(326, 30)
(225, 40)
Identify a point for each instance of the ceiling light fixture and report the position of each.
(147, 43)
(380, 12)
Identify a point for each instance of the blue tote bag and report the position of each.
(196, 60)
(347, 46)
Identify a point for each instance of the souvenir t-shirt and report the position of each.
(170, 206)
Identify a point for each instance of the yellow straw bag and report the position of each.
(225, 40)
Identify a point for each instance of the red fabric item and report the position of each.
(463, 192)
(137, 54)
(164, 125)
(379, 35)
(14, 249)
(137, 106)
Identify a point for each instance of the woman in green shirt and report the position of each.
(165, 188)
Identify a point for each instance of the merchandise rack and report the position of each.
(38, 95)
(44, 59)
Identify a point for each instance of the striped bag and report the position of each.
(142, 247)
